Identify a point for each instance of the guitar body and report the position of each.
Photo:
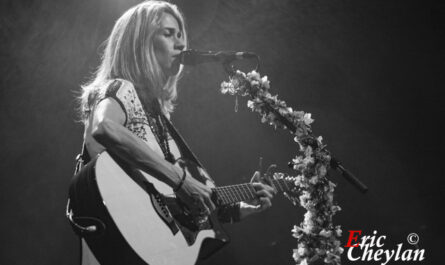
(130, 217)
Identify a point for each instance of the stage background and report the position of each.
(368, 71)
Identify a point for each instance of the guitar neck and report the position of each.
(226, 195)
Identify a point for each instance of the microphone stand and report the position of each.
(334, 162)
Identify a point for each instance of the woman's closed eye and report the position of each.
(169, 32)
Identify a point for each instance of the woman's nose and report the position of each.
(179, 45)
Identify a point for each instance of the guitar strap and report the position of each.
(82, 159)
(183, 147)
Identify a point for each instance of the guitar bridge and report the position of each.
(161, 209)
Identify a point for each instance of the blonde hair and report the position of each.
(126, 57)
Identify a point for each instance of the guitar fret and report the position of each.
(232, 194)
(243, 188)
(249, 192)
(246, 191)
(219, 197)
(252, 191)
(228, 196)
(240, 192)
(223, 196)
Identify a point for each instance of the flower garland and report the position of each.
(317, 237)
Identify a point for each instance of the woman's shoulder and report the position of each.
(119, 88)
(124, 93)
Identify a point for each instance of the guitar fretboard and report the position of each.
(244, 192)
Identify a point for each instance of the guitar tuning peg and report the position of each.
(279, 175)
(269, 170)
(276, 176)
(268, 175)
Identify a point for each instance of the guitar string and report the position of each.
(240, 192)
(237, 191)
(285, 184)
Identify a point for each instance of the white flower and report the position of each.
(250, 104)
(297, 232)
(314, 180)
(298, 179)
(300, 132)
(308, 222)
(329, 196)
(308, 160)
(264, 118)
(322, 170)
(305, 197)
(254, 75)
(264, 82)
(340, 250)
(308, 151)
(335, 209)
(325, 233)
(282, 111)
(298, 114)
(254, 83)
(338, 231)
(301, 251)
(227, 87)
(297, 160)
(238, 72)
(296, 256)
(307, 119)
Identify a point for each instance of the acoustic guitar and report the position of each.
(127, 216)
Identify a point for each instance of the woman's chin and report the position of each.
(174, 69)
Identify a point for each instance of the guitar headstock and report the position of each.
(288, 185)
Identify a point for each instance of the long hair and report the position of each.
(129, 55)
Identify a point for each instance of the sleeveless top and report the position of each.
(136, 121)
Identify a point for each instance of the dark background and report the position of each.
(368, 71)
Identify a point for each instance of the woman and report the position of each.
(124, 106)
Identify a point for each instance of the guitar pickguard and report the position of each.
(188, 224)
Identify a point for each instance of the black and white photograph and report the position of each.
(215, 132)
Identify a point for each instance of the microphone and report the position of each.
(194, 57)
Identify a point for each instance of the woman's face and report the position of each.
(168, 43)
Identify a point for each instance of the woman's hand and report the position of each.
(196, 195)
(265, 195)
